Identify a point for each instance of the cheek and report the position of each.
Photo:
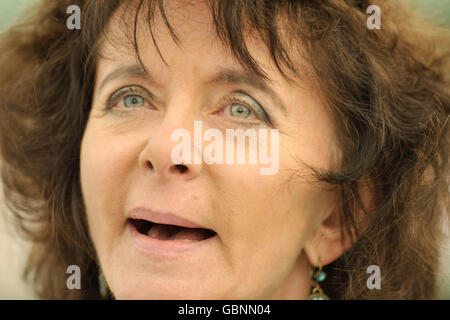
(272, 213)
(276, 212)
(104, 162)
(266, 219)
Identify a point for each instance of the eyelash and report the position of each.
(122, 93)
(229, 100)
(262, 115)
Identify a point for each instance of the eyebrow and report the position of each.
(224, 75)
(128, 71)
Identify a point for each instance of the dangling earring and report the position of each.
(317, 275)
(102, 286)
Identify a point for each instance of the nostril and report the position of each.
(149, 164)
(181, 168)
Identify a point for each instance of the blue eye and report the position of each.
(129, 97)
(240, 111)
(132, 100)
(245, 109)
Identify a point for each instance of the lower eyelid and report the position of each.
(251, 123)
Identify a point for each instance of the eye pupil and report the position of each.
(240, 111)
(133, 100)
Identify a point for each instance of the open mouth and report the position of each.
(171, 232)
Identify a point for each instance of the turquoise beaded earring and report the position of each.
(317, 275)
(102, 286)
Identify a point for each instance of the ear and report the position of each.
(325, 245)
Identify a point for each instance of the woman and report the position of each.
(91, 120)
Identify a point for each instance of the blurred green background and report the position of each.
(10, 8)
(12, 254)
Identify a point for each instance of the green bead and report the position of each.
(318, 296)
(321, 276)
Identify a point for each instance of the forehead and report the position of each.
(181, 26)
(185, 31)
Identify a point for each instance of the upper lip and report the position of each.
(142, 213)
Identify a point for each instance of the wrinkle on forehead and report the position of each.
(188, 20)
(133, 26)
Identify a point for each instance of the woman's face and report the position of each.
(261, 223)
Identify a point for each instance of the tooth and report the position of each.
(158, 232)
(153, 233)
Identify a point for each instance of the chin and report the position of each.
(164, 294)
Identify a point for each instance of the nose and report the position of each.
(156, 156)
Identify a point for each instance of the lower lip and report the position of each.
(152, 246)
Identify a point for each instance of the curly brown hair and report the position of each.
(388, 90)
